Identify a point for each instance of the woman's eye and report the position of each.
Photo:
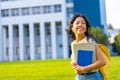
(83, 22)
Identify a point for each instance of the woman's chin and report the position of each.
(80, 32)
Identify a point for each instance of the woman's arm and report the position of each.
(73, 62)
(100, 61)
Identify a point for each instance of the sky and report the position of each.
(113, 13)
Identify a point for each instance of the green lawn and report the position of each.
(58, 69)
(115, 68)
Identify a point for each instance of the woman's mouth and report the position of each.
(80, 29)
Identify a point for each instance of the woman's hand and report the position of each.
(78, 69)
(73, 64)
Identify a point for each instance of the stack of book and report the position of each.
(84, 53)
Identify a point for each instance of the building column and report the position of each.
(1, 40)
(32, 41)
(43, 44)
(4, 43)
(21, 42)
(1, 43)
(65, 41)
(53, 37)
(64, 34)
(11, 44)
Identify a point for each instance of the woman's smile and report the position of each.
(80, 29)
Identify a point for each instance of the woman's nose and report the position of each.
(80, 24)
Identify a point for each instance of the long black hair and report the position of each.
(70, 25)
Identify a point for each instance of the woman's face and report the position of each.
(79, 26)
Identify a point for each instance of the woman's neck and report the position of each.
(79, 37)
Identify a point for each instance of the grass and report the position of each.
(115, 68)
(58, 69)
(36, 70)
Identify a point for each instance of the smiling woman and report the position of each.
(78, 30)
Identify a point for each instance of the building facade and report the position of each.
(34, 29)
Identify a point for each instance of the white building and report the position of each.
(33, 29)
(112, 34)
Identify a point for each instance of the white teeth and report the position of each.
(80, 28)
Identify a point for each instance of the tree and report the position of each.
(116, 44)
(110, 26)
(100, 35)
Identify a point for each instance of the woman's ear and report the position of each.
(72, 29)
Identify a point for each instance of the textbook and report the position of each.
(84, 57)
(84, 53)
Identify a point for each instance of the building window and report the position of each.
(37, 30)
(57, 8)
(16, 31)
(5, 13)
(7, 51)
(46, 9)
(26, 30)
(27, 50)
(25, 11)
(6, 31)
(60, 45)
(17, 50)
(36, 10)
(4, 0)
(58, 27)
(48, 50)
(8, 0)
(38, 49)
(69, 1)
(15, 12)
(47, 28)
(69, 10)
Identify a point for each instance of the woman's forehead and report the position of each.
(79, 19)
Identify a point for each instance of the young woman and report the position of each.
(78, 30)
